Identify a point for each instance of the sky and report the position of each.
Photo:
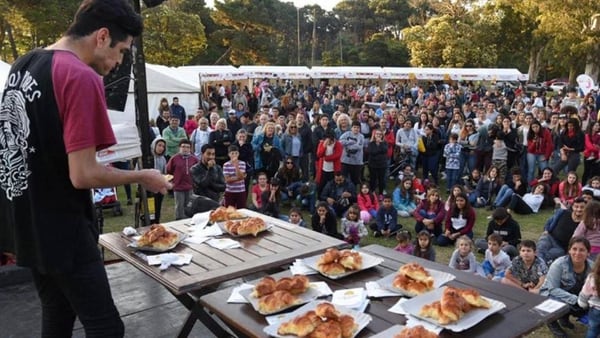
(325, 4)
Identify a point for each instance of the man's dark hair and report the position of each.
(527, 243)
(118, 16)
(184, 141)
(205, 147)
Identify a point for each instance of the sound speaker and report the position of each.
(116, 84)
(153, 3)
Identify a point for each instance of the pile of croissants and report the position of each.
(454, 304)
(323, 321)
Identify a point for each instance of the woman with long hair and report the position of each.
(267, 150)
(539, 148)
(403, 198)
(591, 152)
(460, 220)
(589, 227)
(568, 190)
(468, 138)
(488, 186)
(572, 144)
(431, 156)
(377, 152)
(430, 214)
(292, 143)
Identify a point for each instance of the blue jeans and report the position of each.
(503, 196)
(452, 176)
(83, 292)
(532, 159)
(430, 165)
(593, 323)
(469, 160)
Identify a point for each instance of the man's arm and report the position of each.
(86, 173)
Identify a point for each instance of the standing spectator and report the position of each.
(159, 147)
(162, 121)
(292, 143)
(406, 140)
(430, 214)
(539, 148)
(591, 152)
(430, 157)
(190, 124)
(221, 138)
(378, 160)
(234, 172)
(200, 136)
(460, 220)
(173, 135)
(233, 123)
(353, 143)
(267, 150)
(565, 280)
(328, 155)
(307, 156)
(468, 139)
(178, 111)
(179, 166)
(509, 230)
(452, 152)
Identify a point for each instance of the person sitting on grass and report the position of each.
(430, 214)
(530, 203)
(590, 227)
(353, 228)
(295, 217)
(463, 258)
(496, 261)
(367, 203)
(527, 271)
(339, 194)
(509, 230)
(423, 246)
(324, 220)
(568, 190)
(404, 198)
(387, 219)
(459, 221)
(487, 187)
(516, 186)
(404, 242)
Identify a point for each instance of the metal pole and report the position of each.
(298, 32)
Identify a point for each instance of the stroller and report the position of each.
(400, 159)
(106, 198)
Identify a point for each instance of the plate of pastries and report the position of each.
(452, 308)
(399, 331)
(222, 214)
(158, 239)
(336, 263)
(272, 295)
(319, 319)
(413, 279)
(244, 227)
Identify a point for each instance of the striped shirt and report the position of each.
(228, 171)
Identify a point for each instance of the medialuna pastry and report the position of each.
(222, 214)
(413, 278)
(416, 332)
(454, 304)
(323, 322)
(275, 295)
(335, 262)
(158, 237)
(248, 226)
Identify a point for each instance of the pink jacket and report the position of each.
(367, 203)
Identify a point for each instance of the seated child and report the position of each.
(353, 228)
(404, 199)
(404, 242)
(295, 217)
(386, 219)
(496, 260)
(423, 246)
(368, 203)
(527, 271)
(463, 257)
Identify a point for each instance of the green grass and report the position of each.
(531, 228)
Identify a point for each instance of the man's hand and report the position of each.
(211, 163)
(154, 181)
(330, 200)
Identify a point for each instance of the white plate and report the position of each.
(361, 319)
(389, 333)
(470, 319)
(303, 298)
(221, 225)
(350, 298)
(439, 278)
(368, 261)
(180, 237)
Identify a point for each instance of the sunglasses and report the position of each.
(469, 126)
(289, 162)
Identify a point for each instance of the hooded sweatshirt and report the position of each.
(160, 162)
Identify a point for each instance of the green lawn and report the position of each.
(531, 228)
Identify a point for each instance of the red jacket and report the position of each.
(367, 202)
(390, 139)
(543, 145)
(179, 167)
(335, 158)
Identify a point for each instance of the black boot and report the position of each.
(564, 322)
(557, 330)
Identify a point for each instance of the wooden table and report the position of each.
(271, 249)
(515, 320)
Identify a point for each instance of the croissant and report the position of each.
(416, 332)
(331, 255)
(452, 304)
(327, 311)
(300, 326)
(415, 271)
(276, 301)
(328, 329)
(474, 298)
(350, 260)
(299, 284)
(251, 226)
(151, 235)
(165, 241)
(332, 269)
(348, 326)
(224, 214)
(266, 286)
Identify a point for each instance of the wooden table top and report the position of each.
(516, 319)
(281, 245)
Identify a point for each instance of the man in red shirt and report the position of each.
(53, 119)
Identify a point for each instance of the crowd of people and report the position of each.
(333, 150)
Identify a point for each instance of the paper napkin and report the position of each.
(322, 287)
(376, 291)
(235, 294)
(168, 259)
(299, 268)
(397, 308)
(223, 243)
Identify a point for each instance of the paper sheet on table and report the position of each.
(549, 306)
(375, 290)
(211, 231)
(196, 239)
(223, 243)
(412, 321)
(299, 268)
(178, 259)
(322, 287)
(200, 219)
(397, 308)
(235, 294)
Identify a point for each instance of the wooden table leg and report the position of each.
(197, 312)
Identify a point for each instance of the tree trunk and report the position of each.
(11, 40)
(535, 59)
(592, 66)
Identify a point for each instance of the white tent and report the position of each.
(276, 72)
(167, 82)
